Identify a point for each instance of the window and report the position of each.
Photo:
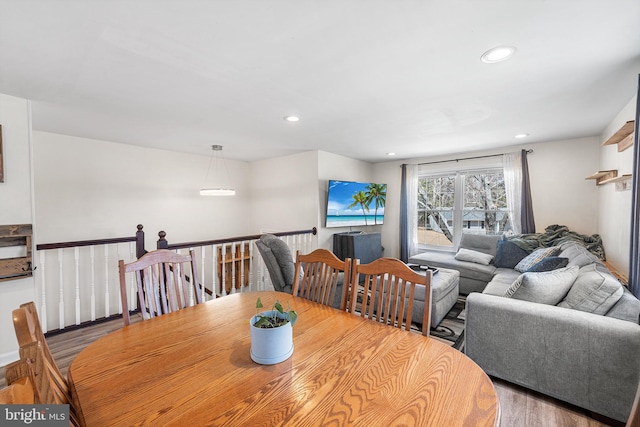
(451, 204)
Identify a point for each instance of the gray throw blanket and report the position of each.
(555, 235)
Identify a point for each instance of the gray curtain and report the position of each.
(528, 225)
(408, 212)
(404, 225)
(634, 251)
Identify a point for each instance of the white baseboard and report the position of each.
(7, 358)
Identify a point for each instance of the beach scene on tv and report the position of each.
(352, 204)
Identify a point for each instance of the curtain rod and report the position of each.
(529, 151)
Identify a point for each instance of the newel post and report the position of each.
(140, 242)
(162, 242)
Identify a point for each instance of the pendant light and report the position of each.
(220, 190)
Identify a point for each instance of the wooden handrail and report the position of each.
(138, 238)
(164, 244)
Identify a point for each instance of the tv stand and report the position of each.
(366, 247)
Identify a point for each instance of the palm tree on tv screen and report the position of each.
(360, 198)
(378, 194)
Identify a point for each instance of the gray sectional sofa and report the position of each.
(571, 332)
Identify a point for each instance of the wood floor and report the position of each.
(519, 406)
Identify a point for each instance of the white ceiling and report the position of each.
(366, 77)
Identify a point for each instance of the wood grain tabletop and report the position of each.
(193, 368)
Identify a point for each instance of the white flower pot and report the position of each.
(271, 345)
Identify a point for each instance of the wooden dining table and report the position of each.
(193, 368)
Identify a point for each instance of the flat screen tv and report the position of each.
(351, 204)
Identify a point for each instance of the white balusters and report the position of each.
(202, 276)
(132, 300)
(76, 255)
(61, 287)
(251, 275)
(223, 270)
(241, 266)
(233, 267)
(92, 258)
(84, 271)
(106, 281)
(214, 271)
(43, 302)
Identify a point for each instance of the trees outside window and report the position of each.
(461, 202)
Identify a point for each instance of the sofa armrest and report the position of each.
(581, 358)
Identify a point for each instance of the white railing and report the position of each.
(78, 282)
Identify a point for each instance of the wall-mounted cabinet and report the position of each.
(623, 137)
(15, 251)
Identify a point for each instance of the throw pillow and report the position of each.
(593, 291)
(549, 263)
(548, 287)
(473, 256)
(508, 254)
(535, 257)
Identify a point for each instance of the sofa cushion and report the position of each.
(502, 281)
(508, 254)
(577, 254)
(473, 256)
(480, 242)
(535, 257)
(627, 308)
(443, 259)
(549, 263)
(593, 291)
(548, 287)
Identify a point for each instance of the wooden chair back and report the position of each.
(318, 274)
(46, 388)
(26, 324)
(20, 392)
(163, 279)
(386, 294)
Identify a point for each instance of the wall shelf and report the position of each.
(602, 177)
(623, 137)
(622, 182)
(14, 240)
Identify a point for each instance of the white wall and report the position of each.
(88, 189)
(560, 193)
(15, 208)
(283, 193)
(614, 209)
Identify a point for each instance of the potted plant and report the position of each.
(272, 334)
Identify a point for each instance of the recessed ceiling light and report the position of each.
(497, 54)
(522, 135)
(292, 118)
(391, 154)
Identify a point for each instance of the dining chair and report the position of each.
(320, 276)
(26, 324)
(48, 383)
(34, 365)
(386, 294)
(163, 279)
(20, 392)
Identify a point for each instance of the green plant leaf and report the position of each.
(278, 307)
(262, 321)
(293, 317)
(259, 303)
